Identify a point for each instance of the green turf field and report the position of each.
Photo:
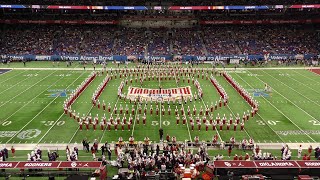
(31, 108)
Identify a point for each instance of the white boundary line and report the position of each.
(27, 89)
(29, 101)
(294, 89)
(175, 77)
(112, 113)
(37, 113)
(12, 76)
(259, 114)
(282, 112)
(306, 76)
(230, 108)
(205, 106)
(3, 91)
(61, 114)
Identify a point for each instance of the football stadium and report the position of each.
(124, 89)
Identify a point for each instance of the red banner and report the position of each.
(80, 164)
(267, 164)
(56, 22)
(309, 164)
(37, 165)
(8, 165)
(234, 164)
(50, 164)
(276, 164)
(262, 21)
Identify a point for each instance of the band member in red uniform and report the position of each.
(144, 118)
(94, 124)
(204, 119)
(104, 105)
(207, 111)
(230, 119)
(163, 110)
(140, 109)
(122, 126)
(169, 110)
(192, 126)
(244, 117)
(194, 110)
(207, 126)
(115, 110)
(132, 110)
(182, 110)
(224, 119)
(121, 109)
(157, 110)
(145, 109)
(188, 111)
(228, 126)
(211, 107)
(242, 126)
(98, 103)
(221, 125)
(124, 119)
(248, 115)
(138, 119)
(252, 112)
(151, 110)
(238, 119)
(115, 126)
(218, 119)
(129, 125)
(178, 119)
(214, 124)
(90, 118)
(87, 125)
(216, 106)
(109, 125)
(199, 126)
(80, 125)
(109, 108)
(235, 126)
(184, 120)
(201, 111)
(102, 125)
(211, 119)
(220, 103)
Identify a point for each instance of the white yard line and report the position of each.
(26, 89)
(184, 111)
(76, 131)
(18, 83)
(36, 114)
(317, 82)
(294, 89)
(283, 113)
(12, 76)
(260, 115)
(112, 114)
(26, 103)
(62, 113)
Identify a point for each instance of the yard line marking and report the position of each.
(175, 77)
(26, 103)
(282, 112)
(317, 82)
(14, 85)
(12, 76)
(303, 85)
(27, 89)
(259, 113)
(292, 88)
(36, 114)
(294, 104)
(112, 114)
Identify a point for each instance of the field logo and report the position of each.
(260, 93)
(29, 134)
(59, 92)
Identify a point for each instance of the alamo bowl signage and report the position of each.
(171, 94)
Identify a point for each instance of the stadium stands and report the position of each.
(110, 40)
